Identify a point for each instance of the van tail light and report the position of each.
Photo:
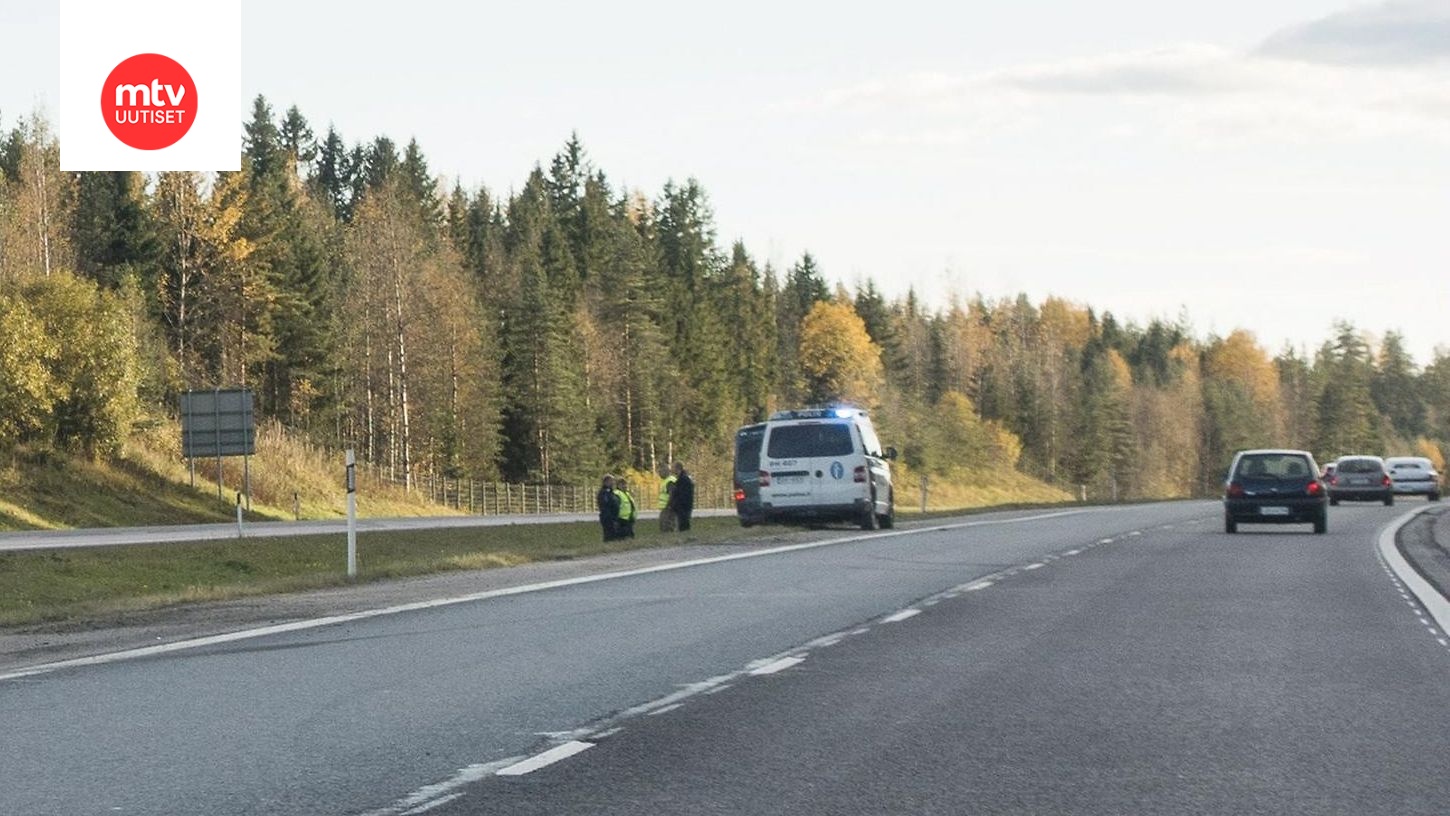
(1315, 488)
(1235, 490)
(860, 473)
(764, 478)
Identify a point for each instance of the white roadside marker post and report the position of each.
(239, 515)
(351, 514)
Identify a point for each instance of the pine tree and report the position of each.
(114, 237)
(1394, 388)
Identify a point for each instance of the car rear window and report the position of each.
(1273, 466)
(801, 441)
(1359, 466)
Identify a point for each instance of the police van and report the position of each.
(825, 464)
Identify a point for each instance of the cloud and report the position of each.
(1397, 33)
(1194, 93)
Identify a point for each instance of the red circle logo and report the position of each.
(149, 101)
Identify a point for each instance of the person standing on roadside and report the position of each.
(682, 498)
(667, 486)
(608, 509)
(624, 524)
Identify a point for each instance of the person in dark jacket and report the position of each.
(608, 509)
(682, 498)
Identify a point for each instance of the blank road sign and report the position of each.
(218, 422)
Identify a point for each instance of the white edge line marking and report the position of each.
(1429, 598)
(901, 616)
(666, 709)
(978, 585)
(777, 665)
(545, 759)
(332, 620)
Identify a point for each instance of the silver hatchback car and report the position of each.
(1361, 478)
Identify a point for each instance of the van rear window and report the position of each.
(747, 450)
(801, 441)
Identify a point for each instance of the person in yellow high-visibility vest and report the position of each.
(667, 486)
(624, 527)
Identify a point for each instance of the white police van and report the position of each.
(825, 464)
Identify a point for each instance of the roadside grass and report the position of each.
(93, 584)
(996, 489)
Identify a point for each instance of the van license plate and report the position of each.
(792, 480)
(1273, 511)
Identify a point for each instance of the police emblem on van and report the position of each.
(837, 470)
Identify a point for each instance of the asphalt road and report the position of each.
(1116, 660)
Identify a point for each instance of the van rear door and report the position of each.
(748, 441)
(810, 464)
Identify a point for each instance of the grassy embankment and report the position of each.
(149, 486)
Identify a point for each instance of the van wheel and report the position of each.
(1390, 500)
(1434, 497)
(1229, 525)
(871, 521)
(889, 520)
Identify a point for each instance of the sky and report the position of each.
(1274, 166)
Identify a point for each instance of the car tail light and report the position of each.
(739, 495)
(1333, 480)
(764, 478)
(1386, 480)
(1315, 488)
(1235, 490)
(860, 473)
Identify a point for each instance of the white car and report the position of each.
(1414, 476)
(825, 464)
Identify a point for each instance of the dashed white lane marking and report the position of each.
(1105, 541)
(436, 803)
(1135, 533)
(978, 585)
(332, 620)
(778, 665)
(545, 759)
(1072, 552)
(431, 793)
(1430, 600)
(1034, 566)
(897, 617)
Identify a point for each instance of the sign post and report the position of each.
(351, 514)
